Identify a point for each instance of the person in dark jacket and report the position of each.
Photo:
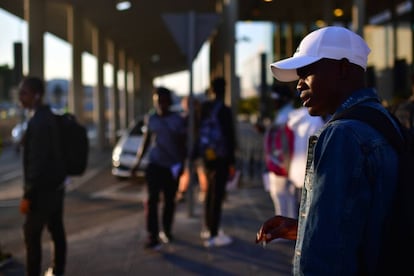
(44, 176)
(219, 166)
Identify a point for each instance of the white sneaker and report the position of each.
(205, 234)
(49, 272)
(164, 237)
(220, 240)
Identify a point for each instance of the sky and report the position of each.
(251, 39)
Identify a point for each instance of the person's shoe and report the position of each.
(204, 234)
(165, 238)
(201, 196)
(49, 272)
(217, 241)
(153, 245)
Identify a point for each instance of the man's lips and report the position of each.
(305, 97)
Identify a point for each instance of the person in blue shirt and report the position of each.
(347, 191)
(165, 139)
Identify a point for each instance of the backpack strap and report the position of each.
(376, 119)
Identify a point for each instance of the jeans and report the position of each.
(46, 209)
(160, 180)
(217, 176)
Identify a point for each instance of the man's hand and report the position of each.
(24, 206)
(277, 227)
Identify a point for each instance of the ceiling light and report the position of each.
(338, 12)
(122, 5)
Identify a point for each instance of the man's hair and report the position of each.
(218, 86)
(36, 84)
(162, 91)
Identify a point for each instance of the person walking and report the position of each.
(351, 172)
(44, 176)
(165, 138)
(216, 147)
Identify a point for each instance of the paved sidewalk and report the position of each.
(117, 247)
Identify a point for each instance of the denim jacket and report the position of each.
(350, 179)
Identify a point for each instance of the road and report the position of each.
(91, 201)
(97, 200)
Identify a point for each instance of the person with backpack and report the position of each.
(216, 147)
(352, 170)
(165, 138)
(43, 174)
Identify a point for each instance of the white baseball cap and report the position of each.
(329, 42)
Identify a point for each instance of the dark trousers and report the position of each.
(217, 176)
(160, 180)
(46, 209)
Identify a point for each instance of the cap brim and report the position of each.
(285, 70)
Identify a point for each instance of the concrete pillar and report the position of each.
(327, 9)
(289, 40)
(230, 19)
(126, 90)
(138, 110)
(18, 63)
(222, 53)
(130, 89)
(146, 92)
(358, 16)
(99, 106)
(75, 35)
(34, 14)
(216, 48)
(277, 41)
(122, 90)
(113, 120)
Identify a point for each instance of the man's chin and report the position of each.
(314, 111)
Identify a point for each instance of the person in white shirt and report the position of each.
(303, 126)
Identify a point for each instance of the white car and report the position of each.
(125, 150)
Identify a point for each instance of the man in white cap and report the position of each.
(351, 170)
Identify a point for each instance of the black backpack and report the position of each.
(398, 237)
(74, 143)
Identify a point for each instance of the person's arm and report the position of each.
(39, 146)
(143, 147)
(36, 160)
